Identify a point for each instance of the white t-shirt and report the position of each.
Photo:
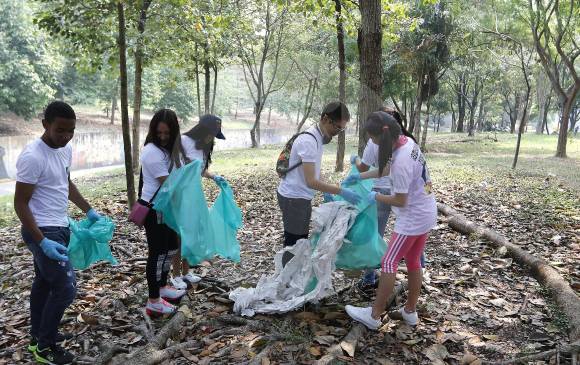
(306, 148)
(191, 152)
(371, 158)
(48, 169)
(155, 163)
(409, 174)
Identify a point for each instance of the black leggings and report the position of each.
(163, 246)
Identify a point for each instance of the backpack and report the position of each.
(282, 165)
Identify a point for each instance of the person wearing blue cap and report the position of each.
(198, 144)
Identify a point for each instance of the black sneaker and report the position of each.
(60, 338)
(53, 355)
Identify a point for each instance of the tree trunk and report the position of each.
(438, 122)
(236, 115)
(114, 101)
(207, 83)
(453, 119)
(137, 91)
(269, 113)
(341, 82)
(564, 120)
(215, 80)
(255, 131)
(565, 297)
(370, 48)
(515, 113)
(308, 102)
(121, 42)
(480, 114)
(461, 107)
(197, 81)
(426, 126)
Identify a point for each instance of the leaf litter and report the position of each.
(475, 305)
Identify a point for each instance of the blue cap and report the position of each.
(213, 123)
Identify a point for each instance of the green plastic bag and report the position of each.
(89, 242)
(366, 247)
(226, 219)
(184, 209)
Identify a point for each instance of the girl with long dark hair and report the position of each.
(416, 214)
(161, 154)
(382, 185)
(197, 144)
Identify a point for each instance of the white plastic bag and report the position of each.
(285, 290)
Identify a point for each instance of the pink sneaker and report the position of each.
(160, 308)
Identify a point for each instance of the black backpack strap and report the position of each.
(300, 163)
(141, 183)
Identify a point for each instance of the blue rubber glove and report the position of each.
(351, 179)
(372, 197)
(350, 196)
(53, 250)
(219, 179)
(353, 159)
(327, 197)
(93, 216)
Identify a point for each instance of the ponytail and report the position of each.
(395, 114)
(384, 126)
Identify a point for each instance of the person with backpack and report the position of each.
(197, 144)
(382, 185)
(415, 209)
(162, 153)
(43, 189)
(299, 167)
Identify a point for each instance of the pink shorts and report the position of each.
(402, 246)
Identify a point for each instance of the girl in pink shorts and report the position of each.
(416, 214)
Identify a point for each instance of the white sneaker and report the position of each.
(364, 316)
(191, 278)
(169, 292)
(178, 283)
(410, 318)
(159, 308)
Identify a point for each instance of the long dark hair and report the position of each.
(199, 134)
(384, 125)
(173, 149)
(399, 120)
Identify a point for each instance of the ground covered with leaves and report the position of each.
(476, 303)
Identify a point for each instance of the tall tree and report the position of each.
(554, 28)
(342, 81)
(142, 8)
(371, 76)
(122, 44)
(260, 49)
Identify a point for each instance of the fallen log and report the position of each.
(573, 349)
(564, 296)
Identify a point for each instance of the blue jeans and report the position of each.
(383, 213)
(53, 288)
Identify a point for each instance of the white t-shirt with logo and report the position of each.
(155, 163)
(371, 158)
(48, 169)
(409, 175)
(306, 148)
(191, 152)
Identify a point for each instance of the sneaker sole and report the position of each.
(155, 315)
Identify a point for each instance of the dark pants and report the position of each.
(296, 215)
(53, 289)
(163, 245)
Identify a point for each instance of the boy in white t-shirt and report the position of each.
(297, 187)
(43, 189)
